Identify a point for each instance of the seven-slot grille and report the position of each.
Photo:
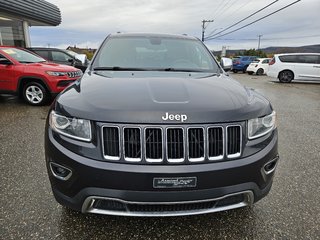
(171, 144)
(74, 74)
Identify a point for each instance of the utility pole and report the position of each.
(259, 41)
(204, 27)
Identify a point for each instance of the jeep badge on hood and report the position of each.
(175, 117)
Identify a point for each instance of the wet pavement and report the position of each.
(290, 211)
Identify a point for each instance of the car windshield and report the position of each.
(154, 54)
(23, 56)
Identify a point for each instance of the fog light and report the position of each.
(60, 172)
(271, 166)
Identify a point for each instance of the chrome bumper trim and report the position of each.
(87, 206)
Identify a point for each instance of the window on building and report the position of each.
(11, 32)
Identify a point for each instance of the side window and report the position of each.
(44, 54)
(312, 59)
(265, 61)
(289, 58)
(245, 59)
(60, 56)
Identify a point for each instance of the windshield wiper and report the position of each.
(119, 69)
(180, 70)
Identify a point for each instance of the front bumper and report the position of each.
(127, 189)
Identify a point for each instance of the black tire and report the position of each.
(234, 70)
(35, 94)
(259, 71)
(286, 76)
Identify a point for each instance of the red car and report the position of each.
(31, 76)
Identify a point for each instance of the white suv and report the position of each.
(295, 66)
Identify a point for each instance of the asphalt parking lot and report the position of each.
(290, 211)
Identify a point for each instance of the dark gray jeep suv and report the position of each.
(156, 128)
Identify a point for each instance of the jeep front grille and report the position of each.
(76, 74)
(171, 144)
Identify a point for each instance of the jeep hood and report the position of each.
(139, 98)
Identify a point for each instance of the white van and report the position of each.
(295, 66)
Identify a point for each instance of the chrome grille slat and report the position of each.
(196, 144)
(171, 144)
(175, 145)
(234, 141)
(153, 145)
(111, 143)
(132, 144)
(215, 143)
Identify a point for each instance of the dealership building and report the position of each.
(17, 16)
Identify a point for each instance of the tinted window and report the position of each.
(60, 56)
(44, 54)
(266, 61)
(312, 59)
(289, 58)
(245, 59)
(155, 53)
(308, 59)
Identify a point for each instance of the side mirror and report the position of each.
(82, 58)
(226, 64)
(5, 61)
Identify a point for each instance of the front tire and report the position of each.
(286, 76)
(35, 94)
(235, 70)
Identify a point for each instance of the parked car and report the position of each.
(258, 66)
(155, 127)
(62, 56)
(240, 63)
(31, 76)
(295, 66)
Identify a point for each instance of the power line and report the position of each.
(254, 21)
(236, 10)
(266, 39)
(218, 8)
(223, 7)
(244, 18)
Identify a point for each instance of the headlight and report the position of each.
(56, 73)
(72, 127)
(261, 126)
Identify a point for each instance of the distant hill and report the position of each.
(274, 50)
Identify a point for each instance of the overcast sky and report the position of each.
(87, 23)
